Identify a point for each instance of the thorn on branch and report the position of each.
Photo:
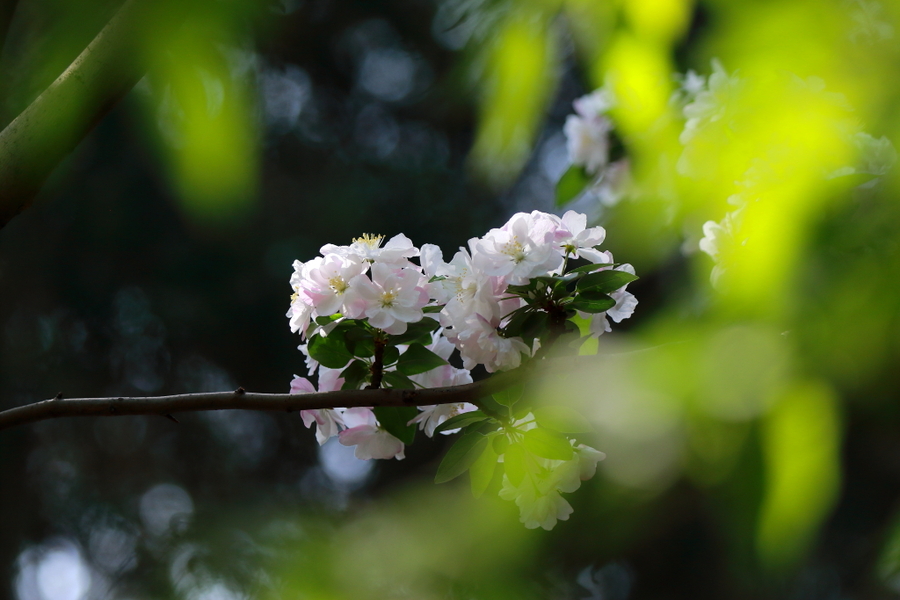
(240, 390)
(59, 396)
(171, 418)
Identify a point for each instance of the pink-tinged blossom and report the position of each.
(479, 342)
(301, 309)
(368, 248)
(523, 248)
(326, 279)
(576, 239)
(432, 416)
(587, 132)
(371, 441)
(445, 375)
(328, 421)
(390, 300)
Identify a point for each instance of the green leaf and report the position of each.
(535, 325)
(354, 375)
(517, 319)
(562, 419)
(500, 444)
(510, 395)
(605, 281)
(460, 457)
(420, 332)
(462, 420)
(588, 268)
(514, 463)
(397, 381)
(363, 347)
(592, 303)
(394, 420)
(432, 309)
(547, 444)
(418, 359)
(330, 351)
(482, 470)
(571, 184)
(390, 356)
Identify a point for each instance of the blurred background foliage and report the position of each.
(751, 426)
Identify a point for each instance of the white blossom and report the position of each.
(370, 439)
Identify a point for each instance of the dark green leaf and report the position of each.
(548, 444)
(398, 381)
(418, 359)
(461, 420)
(394, 420)
(571, 184)
(482, 470)
(432, 309)
(364, 347)
(460, 457)
(592, 305)
(330, 351)
(535, 325)
(354, 375)
(589, 268)
(391, 354)
(517, 320)
(521, 290)
(605, 281)
(562, 419)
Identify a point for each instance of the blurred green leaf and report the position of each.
(562, 419)
(510, 395)
(571, 184)
(547, 444)
(514, 463)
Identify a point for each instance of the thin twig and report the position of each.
(241, 400)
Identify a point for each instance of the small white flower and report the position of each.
(371, 441)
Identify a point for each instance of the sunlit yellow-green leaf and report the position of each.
(801, 450)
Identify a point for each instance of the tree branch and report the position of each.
(241, 400)
(53, 125)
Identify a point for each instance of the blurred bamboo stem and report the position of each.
(241, 400)
(36, 141)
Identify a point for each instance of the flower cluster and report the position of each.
(372, 317)
(588, 142)
(479, 308)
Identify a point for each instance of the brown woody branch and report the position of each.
(241, 400)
